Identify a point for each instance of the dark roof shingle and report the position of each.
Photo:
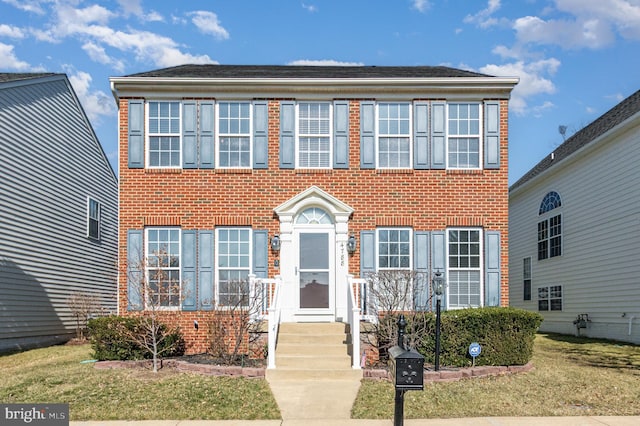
(298, 71)
(612, 118)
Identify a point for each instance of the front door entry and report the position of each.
(314, 271)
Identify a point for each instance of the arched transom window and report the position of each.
(549, 202)
(314, 216)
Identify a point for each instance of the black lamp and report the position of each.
(351, 244)
(275, 243)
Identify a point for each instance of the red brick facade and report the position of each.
(203, 199)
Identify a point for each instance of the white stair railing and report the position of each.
(269, 295)
(354, 316)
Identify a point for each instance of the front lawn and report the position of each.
(572, 377)
(56, 375)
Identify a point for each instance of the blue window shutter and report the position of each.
(136, 134)
(188, 271)
(421, 266)
(135, 274)
(421, 135)
(260, 253)
(287, 135)
(438, 135)
(439, 260)
(189, 135)
(492, 268)
(341, 135)
(367, 135)
(260, 135)
(205, 270)
(207, 143)
(492, 135)
(367, 253)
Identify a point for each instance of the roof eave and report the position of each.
(139, 86)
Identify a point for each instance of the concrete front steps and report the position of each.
(313, 378)
(313, 351)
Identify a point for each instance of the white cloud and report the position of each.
(98, 54)
(484, 18)
(421, 5)
(32, 6)
(208, 23)
(568, 34)
(310, 7)
(623, 15)
(9, 60)
(533, 80)
(95, 103)
(11, 32)
(134, 7)
(325, 62)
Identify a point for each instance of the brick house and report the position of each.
(313, 175)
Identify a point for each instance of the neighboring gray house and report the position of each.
(574, 225)
(58, 211)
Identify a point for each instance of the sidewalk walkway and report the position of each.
(476, 421)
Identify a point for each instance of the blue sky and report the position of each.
(575, 58)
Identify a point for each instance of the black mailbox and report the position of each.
(407, 369)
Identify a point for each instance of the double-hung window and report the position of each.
(394, 135)
(93, 218)
(526, 276)
(314, 135)
(394, 249)
(163, 267)
(463, 142)
(233, 266)
(550, 298)
(464, 258)
(234, 134)
(164, 134)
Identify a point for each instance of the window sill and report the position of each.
(314, 171)
(394, 171)
(163, 171)
(465, 171)
(233, 171)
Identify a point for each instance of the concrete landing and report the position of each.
(313, 378)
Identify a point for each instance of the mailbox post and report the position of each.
(407, 370)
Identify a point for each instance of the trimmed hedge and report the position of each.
(110, 343)
(505, 334)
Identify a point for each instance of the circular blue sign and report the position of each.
(475, 349)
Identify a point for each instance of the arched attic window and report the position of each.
(549, 202)
(314, 216)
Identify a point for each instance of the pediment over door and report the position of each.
(314, 197)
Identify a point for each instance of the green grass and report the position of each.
(56, 375)
(572, 377)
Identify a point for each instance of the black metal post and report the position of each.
(398, 413)
(402, 324)
(437, 363)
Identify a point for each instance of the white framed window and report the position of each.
(163, 130)
(162, 254)
(550, 227)
(464, 127)
(526, 276)
(550, 298)
(314, 124)
(394, 249)
(233, 253)
(93, 218)
(464, 247)
(233, 148)
(394, 148)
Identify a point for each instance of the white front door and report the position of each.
(315, 272)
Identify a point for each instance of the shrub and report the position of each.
(110, 339)
(505, 334)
